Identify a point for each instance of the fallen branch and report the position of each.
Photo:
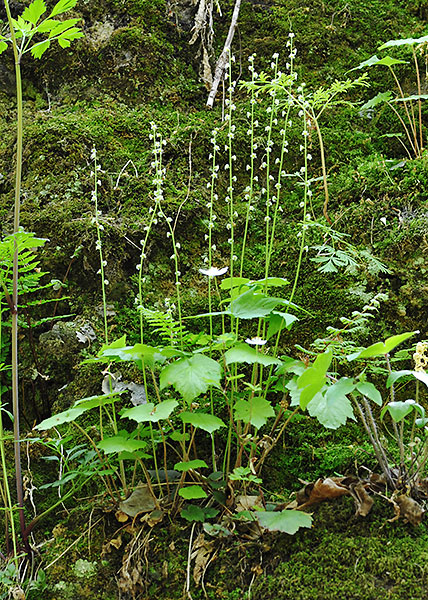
(223, 59)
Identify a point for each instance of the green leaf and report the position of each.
(230, 282)
(205, 421)
(150, 412)
(190, 464)
(252, 304)
(62, 6)
(333, 407)
(58, 27)
(313, 378)
(80, 407)
(255, 411)
(278, 321)
(272, 281)
(139, 353)
(3, 46)
(404, 42)
(33, 12)
(120, 443)
(412, 97)
(382, 348)
(68, 36)
(399, 410)
(63, 417)
(39, 49)
(368, 389)
(191, 376)
(192, 492)
(287, 521)
(378, 99)
(396, 376)
(387, 61)
(193, 513)
(245, 353)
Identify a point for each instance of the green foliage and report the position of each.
(287, 521)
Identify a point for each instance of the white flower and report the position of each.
(256, 341)
(213, 271)
(383, 220)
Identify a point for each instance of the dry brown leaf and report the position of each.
(202, 551)
(244, 502)
(141, 500)
(153, 518)
(363, 501)
(410, 510)
(121, 516)
(322, 489)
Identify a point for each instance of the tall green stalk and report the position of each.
(14, 310)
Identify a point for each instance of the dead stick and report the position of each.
(222, 61)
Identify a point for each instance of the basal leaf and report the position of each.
(396, 376)
(252, 304)
(191, 376)
(33, 12)
(287, 521)
(404, 42)
(192, 492)
(150, 412)
(333, 407)
(368, 389)
(190, 464)
(278, 321)
(399, 410)
(63, 417)
(243, 353)
(120, 443)
(255, 411)
(193, 513)
(382, 348)
(230, 282)
(378, 99)
(313, 378)
(205, 421)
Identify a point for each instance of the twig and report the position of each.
(222, 61)
(189, 560)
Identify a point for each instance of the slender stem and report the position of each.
(411, 118)
(418, 79)
(15, 383)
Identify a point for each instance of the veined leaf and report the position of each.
(396, 376)
(244, 353)
(120, 443)
(190, 464)
(378, 99)
(287, 521)
(314, 377)
(205, 421)
(333, 407)
(192, 492)
(399, 410)
(382, 348)
(191, 376)
(255, 411)
(278, 321)
(230, 282)
(251, 305)
(3, 46)
(59, 27)
(65, 39)
(404, 42)
(150, 412)
(80, 407)
(33, 12)
(387, 61)
(368, 389)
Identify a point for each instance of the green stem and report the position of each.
(15, 383)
